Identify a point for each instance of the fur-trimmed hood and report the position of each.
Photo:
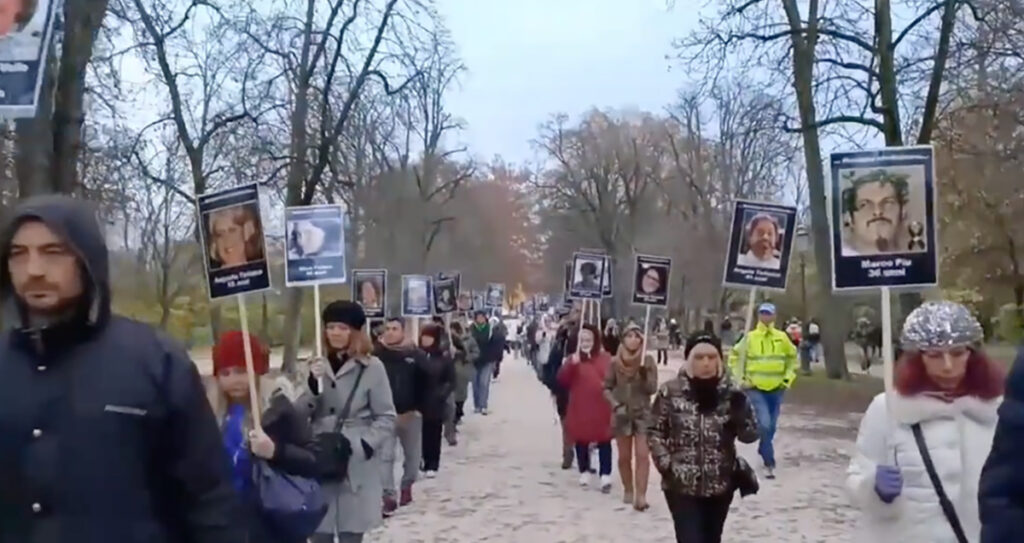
(922, 408)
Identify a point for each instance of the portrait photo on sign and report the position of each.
(883, 211)
(314, 245)
(495, 295)
(445, 298)
(465, 301)
(760, 244)
(588, 269)
(651, 280)
(883, 218)
(23, 27)
(478, 300)
(369, 288)
(416, 296)
(231, 230)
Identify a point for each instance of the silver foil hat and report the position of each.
(940, 325)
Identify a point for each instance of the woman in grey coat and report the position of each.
(349, 370)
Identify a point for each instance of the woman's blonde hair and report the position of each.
(359, 344)
(266, 387)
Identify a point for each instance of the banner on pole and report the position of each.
(234, 246)
(26, 30)
(760, 245)
(651, 280)
(314, 245)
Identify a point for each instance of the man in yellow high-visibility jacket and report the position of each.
(767, 370)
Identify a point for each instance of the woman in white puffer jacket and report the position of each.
(948, 387)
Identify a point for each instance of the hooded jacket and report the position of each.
(105, 430)
(405, 364)
(1001, 489)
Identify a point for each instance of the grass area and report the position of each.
(851, 395)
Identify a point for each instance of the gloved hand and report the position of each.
(888, 483)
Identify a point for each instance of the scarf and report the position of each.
(236, 447)
(628, 364)
(705, 393)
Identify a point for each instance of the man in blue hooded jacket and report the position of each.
(106, 434)
(1001, 489)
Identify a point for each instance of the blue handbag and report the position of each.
(292, 506)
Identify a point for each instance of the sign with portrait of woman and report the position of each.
(369, 289)
(651, 280)
(231, 231)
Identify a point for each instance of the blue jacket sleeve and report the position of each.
(1001, 489)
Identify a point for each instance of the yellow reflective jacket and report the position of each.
(771, 359)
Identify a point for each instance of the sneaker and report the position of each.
(585, 479)
(406, 497)
(430, 474)
(452, 441)
(769, 473)
(390, 506)
(483, 411)
(606, 483)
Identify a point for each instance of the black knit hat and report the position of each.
(699, 337)
(346, 312)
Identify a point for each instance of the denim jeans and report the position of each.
(766, 406)
(482, 385)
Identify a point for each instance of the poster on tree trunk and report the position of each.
(231, 232)
(883, 219)
(26, 31)
(651, 276)
(369, 289)
(314, 245)
(760, 245)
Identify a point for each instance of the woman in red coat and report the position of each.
(588, 418)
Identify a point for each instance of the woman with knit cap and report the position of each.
(356, 397)
(439, 373)
(285, 441)
(588, 417)
(928, 439)
(628, 388)
(697, 418)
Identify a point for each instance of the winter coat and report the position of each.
(959, 436)
(490, 342)
(355, 503)
(562, 344)
(660, 339)
(1001, 490)
(405, 368)
(588, 416)
(630, 397)
(464, 366)
(105, 430)
(293, 455)
(439, 375)
(696, 452)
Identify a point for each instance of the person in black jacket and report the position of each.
(440, 377)
(405, 365)
(105, 430)
(563, 346)
(284, 440)
(1001, 489)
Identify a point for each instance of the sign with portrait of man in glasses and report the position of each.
(883, 218)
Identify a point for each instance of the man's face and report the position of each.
(394, 333)
(762, 239)
(481, 320)
(44, 269)
(765, 317)
(877, 216)
(229, 237)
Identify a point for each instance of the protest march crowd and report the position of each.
(108, 433)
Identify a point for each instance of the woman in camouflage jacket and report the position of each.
(696, 419)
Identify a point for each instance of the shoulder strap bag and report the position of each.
(333, 449)
(947, 506)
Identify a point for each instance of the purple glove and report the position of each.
(888, 483)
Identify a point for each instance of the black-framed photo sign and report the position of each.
(369, 289)
(883, 218)
(314, 245)
(416, 296)
(234, 246)
(760, 245)
(588, 271)
(651, 280)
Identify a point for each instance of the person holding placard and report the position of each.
(105, 431)
(764, 362)
(356, 404)
(917, 466)
(284, 442)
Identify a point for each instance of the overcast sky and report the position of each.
(528, 59)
